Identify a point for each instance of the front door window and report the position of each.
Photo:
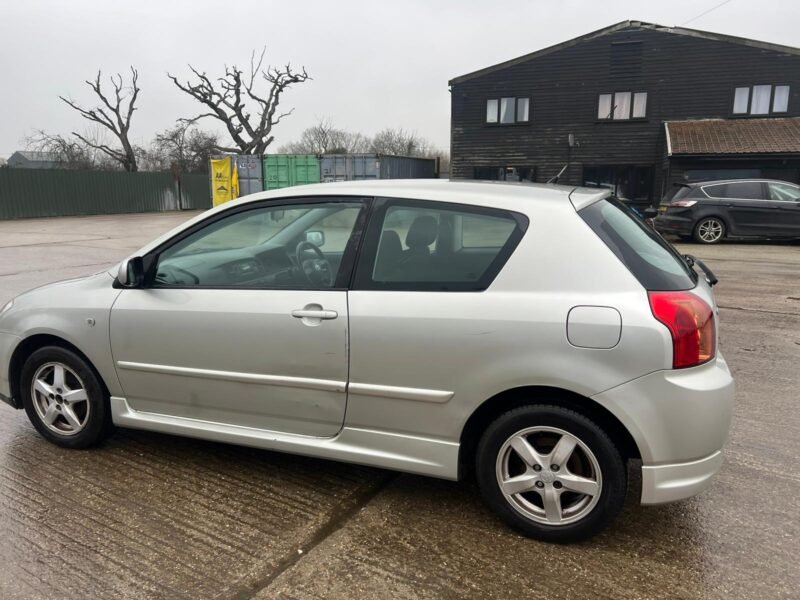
(299, 246)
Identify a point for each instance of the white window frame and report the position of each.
(515, 108)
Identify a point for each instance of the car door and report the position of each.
(243, 319)
(421, 323)
(786, 200)
(749, 212)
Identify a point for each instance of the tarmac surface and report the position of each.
(154, 516)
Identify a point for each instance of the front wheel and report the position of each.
(709, 230)
(64, 399)
(551, 473)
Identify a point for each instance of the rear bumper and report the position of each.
(670, 224)
(679, 420)
(668, 483)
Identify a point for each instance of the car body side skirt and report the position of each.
(371, 447)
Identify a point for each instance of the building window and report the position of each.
(639, 105)
(622, 106)
(741, 99)
(523, 107)
(491, 111)
(761, 95)
(505, 173)
(508, 111)
(758, 99)
(604, 107)
(780, 100)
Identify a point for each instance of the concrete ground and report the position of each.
(153, 516)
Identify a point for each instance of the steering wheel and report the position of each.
(317, 270)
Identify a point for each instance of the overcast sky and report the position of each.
(374, 63)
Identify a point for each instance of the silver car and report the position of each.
(534, 337)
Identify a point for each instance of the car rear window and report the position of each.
(651, 259)
(676, 193)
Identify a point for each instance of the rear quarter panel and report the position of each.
(475, 345)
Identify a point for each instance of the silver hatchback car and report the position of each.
(534, 337)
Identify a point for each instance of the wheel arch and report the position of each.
(714, 214)
(507, 400)
(31, 344)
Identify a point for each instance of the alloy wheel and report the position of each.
(549, 475)
(710, 230)
(60, 398)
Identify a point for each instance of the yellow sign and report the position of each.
(224, 180)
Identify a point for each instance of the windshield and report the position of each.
(650, 258)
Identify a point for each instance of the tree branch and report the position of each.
(228, 96)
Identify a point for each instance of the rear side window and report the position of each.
(653, 261)
(784, 192)
(745, 190)
(416, 245)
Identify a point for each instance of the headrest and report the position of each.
(423, 232)
(390, 243)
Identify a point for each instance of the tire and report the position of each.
(64, 398)
(547, 429)
(709, 230)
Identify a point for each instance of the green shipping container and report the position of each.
(287, 170)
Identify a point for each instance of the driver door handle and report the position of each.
(305, 313)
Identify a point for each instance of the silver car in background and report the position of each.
(534, 337)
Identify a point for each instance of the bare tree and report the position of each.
(228, 97)
(114, 114)
(325, 138)
(400, 142)
(181, 149)
(74, 153)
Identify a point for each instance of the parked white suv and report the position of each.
(536, 336)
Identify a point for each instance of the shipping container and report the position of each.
(250, 174)
(358, 167)
(287, 170)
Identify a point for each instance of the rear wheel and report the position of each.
(551, 473)
(64, 399)
(709, 230)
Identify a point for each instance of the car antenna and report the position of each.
(554, 179)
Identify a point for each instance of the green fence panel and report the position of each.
(195, 192)
(287, 170)
(27, 193)
(55, 192)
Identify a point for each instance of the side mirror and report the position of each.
(316, 237)
(650, 213)
(131, 272)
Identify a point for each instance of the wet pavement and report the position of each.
(153, 516)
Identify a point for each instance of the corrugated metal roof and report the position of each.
(733, 136)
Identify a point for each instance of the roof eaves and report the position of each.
(543, 51)
(697, 33)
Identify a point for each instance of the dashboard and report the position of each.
(239, 267)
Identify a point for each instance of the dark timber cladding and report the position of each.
(686, 75)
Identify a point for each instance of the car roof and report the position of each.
(505, 194)
(520, 197)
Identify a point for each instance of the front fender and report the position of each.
(76, 311)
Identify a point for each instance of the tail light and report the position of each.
(690, 320)
(682, 203)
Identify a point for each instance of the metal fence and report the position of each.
(26, 193)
